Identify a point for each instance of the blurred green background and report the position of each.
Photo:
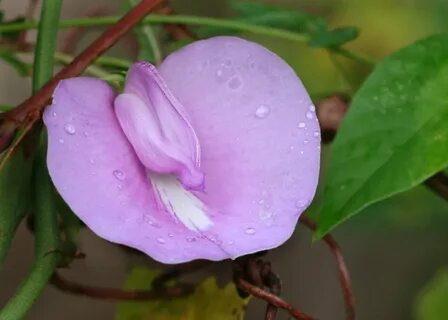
(393, 249)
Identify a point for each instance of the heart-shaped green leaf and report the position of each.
(395, 134)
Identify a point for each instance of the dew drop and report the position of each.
(250, 231)
(316, 134)
(262, 111)
(300, 204)
(234, 83)
(191, 239)
(70, 129)
(219, 73)
(305, 141)
(170, 235)
(54, 114)
(92, 161)
(302, 152)
(302, 125)
(312, 107)
(161, 240)
(86, 134)
(119, 186)
(227, 62)
(309, 115)
(61, 140)
(119, 175)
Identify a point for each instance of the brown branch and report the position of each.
(62, 284)
(271, 298)
(438, 183)
(344, 276)
(31, 108)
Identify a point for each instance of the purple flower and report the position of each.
(213, 155)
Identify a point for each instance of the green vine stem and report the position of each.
(46, 257)
(193, 21)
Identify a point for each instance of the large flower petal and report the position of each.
(98, 174)
(259, 139)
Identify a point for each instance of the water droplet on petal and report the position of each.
(70, 129)
(300, 204)
(119, 186)
(235, 83)
(161, 240)
(86, 134)
(309, 115)
(54, 114)
(61, 140)
(170, 235)
(262, 111)
(316, 134)
(302, 125)
(227, 62)
(191, 239)
(312, 107)
(92, 161)
(250, 231)
(119, 175)
(305, 141)
(219, 73)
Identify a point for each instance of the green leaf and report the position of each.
(395, 134)
(207, 302)
(22, 68)
(14, 197)
(334, 38)
(432, 303)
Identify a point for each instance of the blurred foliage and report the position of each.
(207, 302)
(14, 195)
(432, 303)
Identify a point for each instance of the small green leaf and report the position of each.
(432, 303)
(14, 197)
(207, 302)
(334, 38)
(395, 134)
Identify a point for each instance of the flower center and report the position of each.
(157, 126)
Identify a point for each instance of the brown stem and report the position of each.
(180, 290)
(344, 276)
(31, 108)
(438, 183)
(272, 299)
(273, 283)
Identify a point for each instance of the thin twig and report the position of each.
(438, 183)
(344, 276)
(34, 105)
(180, 290)
(272, 299)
